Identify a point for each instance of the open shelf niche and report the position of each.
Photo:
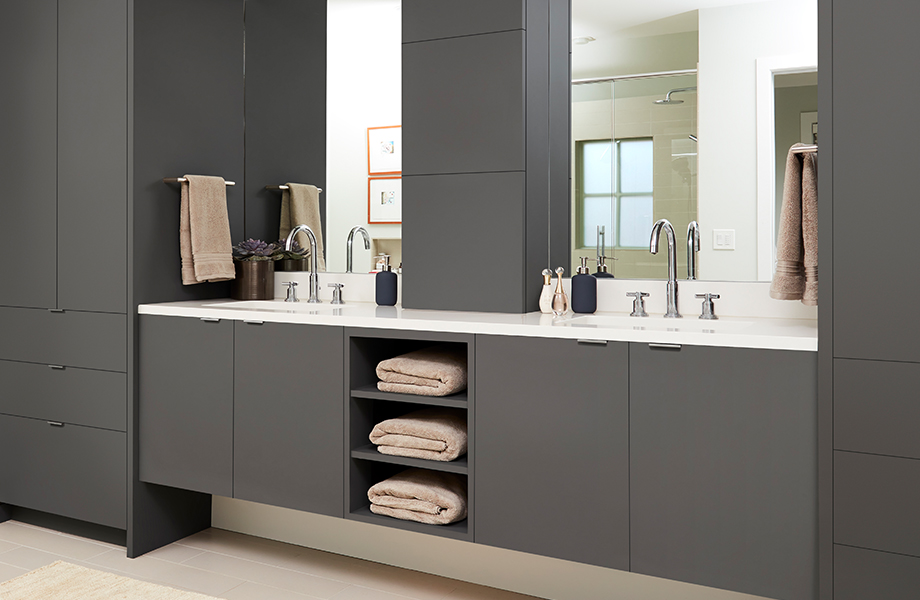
(366, 406)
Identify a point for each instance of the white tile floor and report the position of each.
(236, 567)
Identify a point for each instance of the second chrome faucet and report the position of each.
(672, 312)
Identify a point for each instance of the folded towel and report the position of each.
(796, 276)
(204, 231)
(430, 433)
(421, 495)
(435, 371)
(300, 206)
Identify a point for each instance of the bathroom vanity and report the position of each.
(633, 444)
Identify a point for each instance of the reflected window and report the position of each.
(613, 188)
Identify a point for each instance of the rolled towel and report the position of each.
(430, 433)
(435, 371)
(421, 495)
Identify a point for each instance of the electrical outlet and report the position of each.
(723, 239)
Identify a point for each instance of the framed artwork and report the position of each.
(384, 200)
(384, 150)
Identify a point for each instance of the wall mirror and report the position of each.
(685, 110)
(364, 90)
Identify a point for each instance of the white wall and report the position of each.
(731, 39)
(364, 89)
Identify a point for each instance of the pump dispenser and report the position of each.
(602, 254)
(560, 300)
(584, 289)
(546, 294)
(386, 285)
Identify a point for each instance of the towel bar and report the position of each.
(183, 180)
(285, 187)
(805, 149)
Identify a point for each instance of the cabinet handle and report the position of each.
(56, 310)
(593, 342)
(55, 424)
(253, 322)
(664, 346)
(58, 367)
(210, 319)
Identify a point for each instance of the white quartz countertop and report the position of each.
(735, 332)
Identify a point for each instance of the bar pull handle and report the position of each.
(664, 346)
(56, 310)
(253, 322)
(210, 319)
(57, 367)
(593, 342)
(55, 423)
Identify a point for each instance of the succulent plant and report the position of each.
(254, 250)
(295, 253)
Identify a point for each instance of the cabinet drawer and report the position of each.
(860, 574)
(75, 339)
(875, 502)
(876, 407)
(68, 395)
(74, 471)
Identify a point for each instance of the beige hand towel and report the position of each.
(430, 433)
(435, 371)
(204, 230)
(796, 276)
(421, 495)
(300, 206)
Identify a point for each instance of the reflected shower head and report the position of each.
(668, 100)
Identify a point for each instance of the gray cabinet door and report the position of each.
(288, 446)
(186, 403)
(874, 192)
(28, 120)
(92, 156)
(723, 468)
(436, 19)
(861, 574)
(552, 448)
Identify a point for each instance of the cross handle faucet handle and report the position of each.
(638, 304)
(291, 291)
(709, 309)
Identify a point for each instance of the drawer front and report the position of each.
(74, 339)
(876, 500)
(861, 574)
(876, 407)
(74, 471)
(68, 395)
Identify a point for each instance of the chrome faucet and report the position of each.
(693, 246)
(672, 263)
(314, 278)
(351, 237)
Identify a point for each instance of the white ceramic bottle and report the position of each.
(546, 295)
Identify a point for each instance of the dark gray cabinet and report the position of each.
(28, 154)
(287, 416)
(723, 468)
(552, 448)
(860, 574)
(437, 19)
(186, 404)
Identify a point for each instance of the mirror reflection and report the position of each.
(685, 110)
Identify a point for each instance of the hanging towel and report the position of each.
(300, 206)
(430, 434)
(796, 275)
(435, 371)
(204, 230)
(421, 495)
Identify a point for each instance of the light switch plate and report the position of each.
(723, 239)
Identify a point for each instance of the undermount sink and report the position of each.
(281, 306)
(655, 323)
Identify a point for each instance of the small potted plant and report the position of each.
(255, 274)
(294, 259)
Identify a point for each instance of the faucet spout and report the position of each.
(351, 237)
(314, 278)
(672, 312)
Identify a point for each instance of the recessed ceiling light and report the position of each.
(581, 41)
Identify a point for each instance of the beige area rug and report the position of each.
(64, 581)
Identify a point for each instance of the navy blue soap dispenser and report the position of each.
(584, 289)
(386, 285)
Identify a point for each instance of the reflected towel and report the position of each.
(435, 371)
(300, 206)
(796, 275)
(421, 495)
(205, 247)
(430, 434)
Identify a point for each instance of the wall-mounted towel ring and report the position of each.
(286, 187)
(183, 180)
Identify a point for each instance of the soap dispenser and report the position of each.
(602, 253)
(560, 300)
(584, 289)
(546, 294)
(386, 285)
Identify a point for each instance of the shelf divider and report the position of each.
(369, 452)
(371, 392)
